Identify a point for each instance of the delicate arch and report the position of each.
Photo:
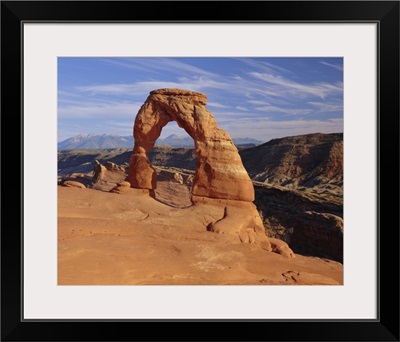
(219, 170)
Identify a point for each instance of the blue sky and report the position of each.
(262, 98)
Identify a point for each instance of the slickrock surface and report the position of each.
(131, 238)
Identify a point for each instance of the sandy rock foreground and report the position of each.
(130, 238)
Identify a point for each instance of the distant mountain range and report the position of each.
(95, 141)
(99, 141)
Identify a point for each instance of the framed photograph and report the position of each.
(266, 215)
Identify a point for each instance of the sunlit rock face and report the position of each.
(219, 170)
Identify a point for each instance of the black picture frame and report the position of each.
(384, 13)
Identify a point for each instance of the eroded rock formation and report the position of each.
(219, 170)
(220, 178)
(107, 177)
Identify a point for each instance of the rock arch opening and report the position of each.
(219, 170)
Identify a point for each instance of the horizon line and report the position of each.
(188, 136)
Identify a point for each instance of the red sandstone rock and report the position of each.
(219, 170)
(124, 184)
(281, 247)
(107, 177)
(99, 171)
(73, 184)
(240, 220)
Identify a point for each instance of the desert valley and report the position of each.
(215, 214)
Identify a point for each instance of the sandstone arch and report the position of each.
(221, 182)
(219, 171)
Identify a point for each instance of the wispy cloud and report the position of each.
(125, 63)
(144, 87)
(263, 65)
(202, 84)
(99, 110)
(335, 66)
(286, 86)
(327, 107)
(109, 89)
(266, 130)
(259, 103)
(284, 110)
(234, 115)
(216, 105)
(160, 65)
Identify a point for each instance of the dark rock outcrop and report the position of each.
(310, 224)
(319, 234)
